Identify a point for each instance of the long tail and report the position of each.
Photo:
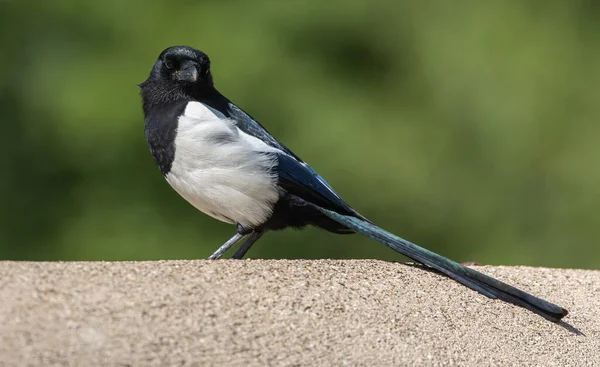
(473, 279)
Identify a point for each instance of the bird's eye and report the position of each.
(169, 64)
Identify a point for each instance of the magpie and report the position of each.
(227, 165)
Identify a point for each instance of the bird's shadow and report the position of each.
(565, 325)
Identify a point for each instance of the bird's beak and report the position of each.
(188, 72)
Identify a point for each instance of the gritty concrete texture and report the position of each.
(282, 313)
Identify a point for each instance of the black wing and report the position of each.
(295, 176)
(300, 179)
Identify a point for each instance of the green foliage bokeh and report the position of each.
(470, 128)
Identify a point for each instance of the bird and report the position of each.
(227, 165)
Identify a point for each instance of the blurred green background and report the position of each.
(469, 127)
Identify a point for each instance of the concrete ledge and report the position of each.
(269, 312)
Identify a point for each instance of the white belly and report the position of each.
(218, 168)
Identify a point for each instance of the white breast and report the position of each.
(219, 169)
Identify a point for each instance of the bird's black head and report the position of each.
(180, 72)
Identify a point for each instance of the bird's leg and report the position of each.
(241, 233)
(226, 246)
(239, 254)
